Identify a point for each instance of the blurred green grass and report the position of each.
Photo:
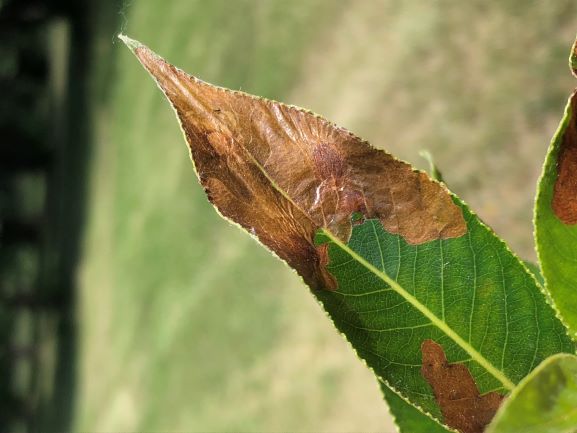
(185, 323)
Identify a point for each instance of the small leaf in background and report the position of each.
(434, 171)
(417, 265)
(462, 406)
(544, 402)
(556, 215)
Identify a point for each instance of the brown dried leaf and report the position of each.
(282, 172)
(565, 189)
(462, 406)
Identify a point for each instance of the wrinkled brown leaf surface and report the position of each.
(462, 406)
(282, 172)
(565, 189)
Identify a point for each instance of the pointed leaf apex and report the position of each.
(130, 43)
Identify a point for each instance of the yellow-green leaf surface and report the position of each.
(544, 402)
(420, 267)
(556, 215)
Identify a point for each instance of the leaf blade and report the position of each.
(425, 311)
(283, 174)
(532, 332)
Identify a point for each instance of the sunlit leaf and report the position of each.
(544, 402)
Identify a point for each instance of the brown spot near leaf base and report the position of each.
(282, 173)
(565, 189)
(456, 392)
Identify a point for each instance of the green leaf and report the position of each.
(544, 402)
(470, 294)
(556, 216)
(407, 417)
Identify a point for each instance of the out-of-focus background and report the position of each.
(126, 303)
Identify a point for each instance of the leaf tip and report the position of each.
(129, 42)
(151, 61)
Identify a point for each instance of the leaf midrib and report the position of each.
(441, 324)
(436, 321)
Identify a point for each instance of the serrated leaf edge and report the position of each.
(424, 412)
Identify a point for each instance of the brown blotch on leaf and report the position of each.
(456, 392)
(295, 172)
(330, 283)
(565, 189)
